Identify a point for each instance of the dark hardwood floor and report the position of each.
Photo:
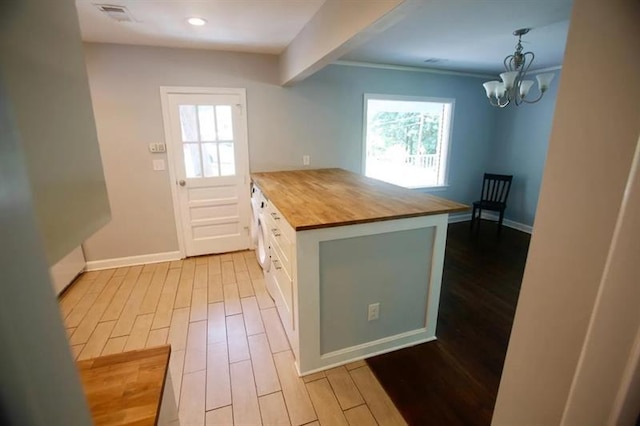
(454, 380)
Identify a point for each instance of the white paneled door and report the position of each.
(208, 154)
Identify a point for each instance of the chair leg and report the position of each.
(473, 218)
(500, 221)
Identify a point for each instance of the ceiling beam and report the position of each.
(336, 28)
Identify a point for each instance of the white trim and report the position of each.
(96, 265)
(376, 353)
(409, 98)
(411, 69)
(466, 217)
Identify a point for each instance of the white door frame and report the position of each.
(165, 91)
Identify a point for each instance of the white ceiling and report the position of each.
(260, 26)
(471, 35)
(464, 35)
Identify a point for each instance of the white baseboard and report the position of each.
(465, 217)
(96, 265)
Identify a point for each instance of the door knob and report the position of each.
(181, 182)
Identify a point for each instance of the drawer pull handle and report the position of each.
(275, 232)
(276, 264)
(275, 216)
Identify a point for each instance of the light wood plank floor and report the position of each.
(230, 361)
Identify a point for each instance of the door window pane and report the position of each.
(207, 123)
(192, 164)
(227, 159)
(210, 159)
(225, 122)
(188, 123)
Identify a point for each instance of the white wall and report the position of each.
(588, 164)
(42, 63)
(321, 116)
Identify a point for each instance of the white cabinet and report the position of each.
(281, 278)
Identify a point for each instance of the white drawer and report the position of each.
(284, 298)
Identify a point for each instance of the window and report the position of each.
(407, 139)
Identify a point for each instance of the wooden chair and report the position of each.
(495, 190)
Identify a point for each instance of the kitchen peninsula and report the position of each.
(356, 263)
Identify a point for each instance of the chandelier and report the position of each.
(514, 86)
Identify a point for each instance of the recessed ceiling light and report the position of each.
(198, 22)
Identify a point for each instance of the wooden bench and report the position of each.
(127, 388)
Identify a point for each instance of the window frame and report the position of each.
(449, 142)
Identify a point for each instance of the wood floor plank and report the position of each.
(232, 299)
(185, 287)
(377, 399)
(226, 257)
(132, 307)
(73, 295)
(139, 332)
(191, 408)
(262, 296)
(214, 265)
(263, 367)
(344, 387)
(228, 273)
(252, 317)
(273, 410)
(179, 329)
(114, 345)
(97, 341)
(218, 378)
(246, 410)
(118, 302)
(199, 304)
(360, 416)
(164, 309)
(245, 288)
(315, 376)
(202, 260)
(215, 293)
(356, 364)
(90, 275)
(151, 299)
(277, 337)
(293, 388)
(176, 367)
(101, 280)
(216, 323)
(91, 319)
(201, 275)
(149, 268)
(239, 264)
(325, 403)
(237, 339)
(157, 337)
(119, 272)
(80, 310)
(175, 264)
(76, 350)
(220, 417)
(70, 331)
(196, 352)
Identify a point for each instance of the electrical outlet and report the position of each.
(374, 312)
(305, 160)
(153, 148)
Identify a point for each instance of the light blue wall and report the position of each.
(519, 148)
(335, 96)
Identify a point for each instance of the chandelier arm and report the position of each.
(534, 101)
(525, 69)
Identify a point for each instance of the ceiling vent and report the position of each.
(117, 13)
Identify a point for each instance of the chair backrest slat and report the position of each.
(496, 187)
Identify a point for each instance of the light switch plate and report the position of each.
(158, 165)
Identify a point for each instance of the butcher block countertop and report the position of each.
(324, 198)
(125, 388)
